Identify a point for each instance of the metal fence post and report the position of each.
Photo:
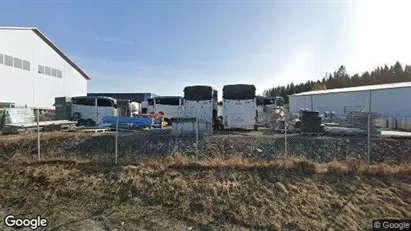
(285, 133)
(197, 131)
(38, 133)
(369, 130)
(369, 139)
(116, 145)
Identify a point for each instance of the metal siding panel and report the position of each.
(297, 102)
(75, 84)
(338, 101)
(46, 87)
(360, 88)
(388, 102)
(392, 102)
(17, 84)
(29, 87)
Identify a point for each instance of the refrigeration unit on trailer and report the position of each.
(240, 106)
(169, 106)
(202, 102)
(90, 110)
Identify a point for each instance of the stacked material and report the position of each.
(311, 122)
(129, 121)
(18, 116)
(15, 120)
(360, 120)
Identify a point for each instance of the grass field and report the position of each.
(175, 193)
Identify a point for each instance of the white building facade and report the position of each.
(33, 71)
(386, 99)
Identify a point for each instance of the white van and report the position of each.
(90, 110)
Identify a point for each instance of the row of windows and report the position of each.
(14, 62)
(87, 101)
(167, 101)
(50, 71)
(25, 65)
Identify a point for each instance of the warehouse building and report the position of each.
(33, 70)
(133, 97)
(386, 99)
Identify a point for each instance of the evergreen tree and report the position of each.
(340, 79)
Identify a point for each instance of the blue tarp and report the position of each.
(134, 121)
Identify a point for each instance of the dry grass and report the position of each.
(174, 193)
(350, 166)
(221, 193)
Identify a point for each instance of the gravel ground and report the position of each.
(320, 149)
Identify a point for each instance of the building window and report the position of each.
(47, 70)
(59, 74)
(18, 63)
(50, 71)
(41, 69)
(104, 103)
(1, 58)
(26, 65)
(84, 101)
(8, 60)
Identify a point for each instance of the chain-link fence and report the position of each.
(300, 162)
(318, 137)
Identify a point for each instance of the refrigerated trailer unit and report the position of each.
(240, 106)
(200, 101)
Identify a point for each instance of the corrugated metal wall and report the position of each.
(389, 102)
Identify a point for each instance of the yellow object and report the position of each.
(165, 124)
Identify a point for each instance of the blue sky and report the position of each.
(162, 46)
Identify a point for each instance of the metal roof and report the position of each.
(120, 93)
(52, 45)
(238, 85)
(353, 89)
(138, 97)
(168, 97)
(92, 97)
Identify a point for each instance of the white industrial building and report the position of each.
(33, 70)
(386, 99)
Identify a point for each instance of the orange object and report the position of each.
(156, 116)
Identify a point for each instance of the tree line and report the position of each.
(341, 79)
